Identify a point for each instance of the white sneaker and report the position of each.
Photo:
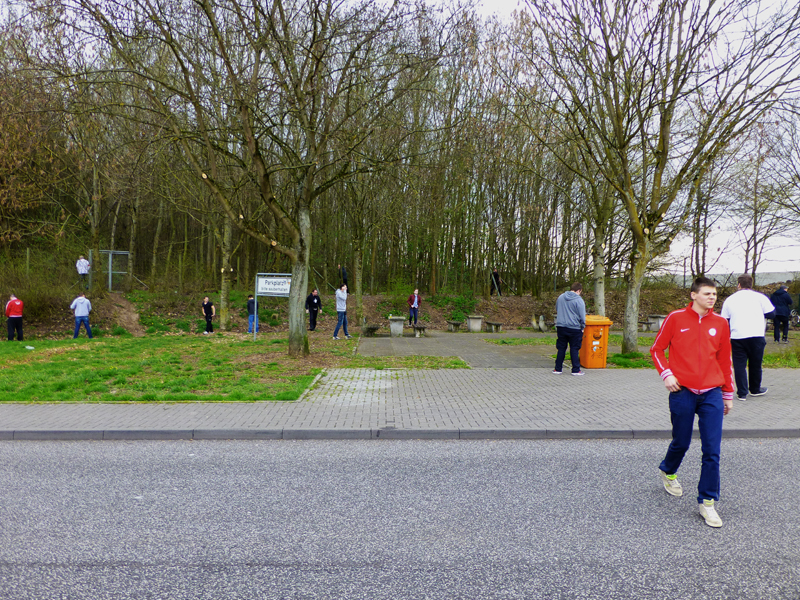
(709, 513)
(556, 372)
(671, 484)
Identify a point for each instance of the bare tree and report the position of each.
(654, 92)
(264, 88)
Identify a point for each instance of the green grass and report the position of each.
(615, 339)
(159, 368)
(787, 358)
(179, 368)
(535, 341)
(631, 360)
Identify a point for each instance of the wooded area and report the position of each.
(418, 146)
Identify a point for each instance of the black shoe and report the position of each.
(760, 392)
(742, 398)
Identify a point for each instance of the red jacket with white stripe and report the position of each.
(699, 350)
(14, 308)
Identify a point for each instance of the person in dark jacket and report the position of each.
(252, 317)
(496, 281)
(209, 312)
(313, 304)
(782, 302)
(342, 275)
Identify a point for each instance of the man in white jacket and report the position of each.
(746, 310)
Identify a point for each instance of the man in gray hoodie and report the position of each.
(570, 322)
(82, 308)
(341, 312)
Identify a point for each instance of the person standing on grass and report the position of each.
(252, 317)
(570, 322)
(83, 266)
(208, 312)
(783, 310)
(81, 307)
(313, 304)
(341, 312)
(413, 307)
(14, 314)
(698, 376)
(746, 310)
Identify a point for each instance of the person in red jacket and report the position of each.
(699, 377)
(14, 314)
(413, 307)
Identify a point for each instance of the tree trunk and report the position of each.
(96, 205)
(226, 272)
(156, 238)
(298, 336)
(132, 241)
(599, 275)
(114, 226)
(170, 248)
(358, 267)
(630, 332)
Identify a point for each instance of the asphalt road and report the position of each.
(403, 519)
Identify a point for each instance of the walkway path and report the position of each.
(509, 393)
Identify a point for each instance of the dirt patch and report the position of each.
(124, 314)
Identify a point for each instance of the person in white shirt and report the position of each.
(745, 310)
(83, 267)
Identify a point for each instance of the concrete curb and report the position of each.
(367, 434)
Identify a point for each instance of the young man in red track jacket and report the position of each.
(699, 377)
(14, 314)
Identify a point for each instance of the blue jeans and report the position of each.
(85, 321)
(250, 320)
(342, 322)
(573, 338)
(683, 406)
(413, 313)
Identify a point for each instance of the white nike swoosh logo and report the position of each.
(687, 329)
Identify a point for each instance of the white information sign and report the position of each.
(273, 284)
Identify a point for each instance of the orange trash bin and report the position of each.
(594, 348)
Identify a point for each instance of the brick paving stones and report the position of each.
(510, 393)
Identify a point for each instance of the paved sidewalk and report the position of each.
(478, 403)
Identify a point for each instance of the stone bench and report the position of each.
(494, 327)
(419, 330)
(653, 322)
(454, 325)
(369, 330)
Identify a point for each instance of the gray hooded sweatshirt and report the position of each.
(571, 311)
(81, 306)
(341, 300)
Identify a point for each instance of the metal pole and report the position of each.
(110, 258)
(91, 268)
(255, 317)
(27, 263)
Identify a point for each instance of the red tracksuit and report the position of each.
(699, 351)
